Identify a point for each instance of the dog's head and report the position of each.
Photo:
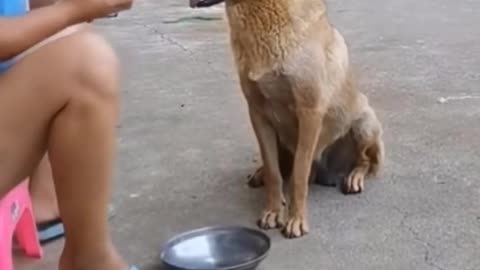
(204, 3)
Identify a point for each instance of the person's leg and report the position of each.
(45, 204)
(42, 192)
(40, 3)
(63, 98)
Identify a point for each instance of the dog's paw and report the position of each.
(271, 219)
(354, 182)
(297, 226)
(256, 180)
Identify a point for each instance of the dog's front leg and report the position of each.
(309, 128)
(272, 215)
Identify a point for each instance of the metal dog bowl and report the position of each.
(216, 248)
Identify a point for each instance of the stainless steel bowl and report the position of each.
(216, 248)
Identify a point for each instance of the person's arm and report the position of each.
(17, 34)
(40, 3)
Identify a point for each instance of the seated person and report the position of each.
(61, 97)
(42, 189)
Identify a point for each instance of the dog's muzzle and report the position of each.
(204, 3)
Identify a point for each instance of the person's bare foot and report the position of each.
(110, 260)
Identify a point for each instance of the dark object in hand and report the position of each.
(204, 3)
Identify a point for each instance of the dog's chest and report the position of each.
(276, 89)
(279, 108)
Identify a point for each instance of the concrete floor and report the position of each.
(186, 146)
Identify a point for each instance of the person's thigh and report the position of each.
(35, 89)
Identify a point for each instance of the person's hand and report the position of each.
(88, 10)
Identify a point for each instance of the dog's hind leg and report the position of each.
(367, 133)
(256, 180)
(285, 160)
(335, 163)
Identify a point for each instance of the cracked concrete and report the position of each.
(186, 146)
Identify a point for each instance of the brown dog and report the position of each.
(294, 72)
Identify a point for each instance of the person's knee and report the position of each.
(98, 67)
(76, 64)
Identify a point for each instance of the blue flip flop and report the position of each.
(53, 230)
(50, 231)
